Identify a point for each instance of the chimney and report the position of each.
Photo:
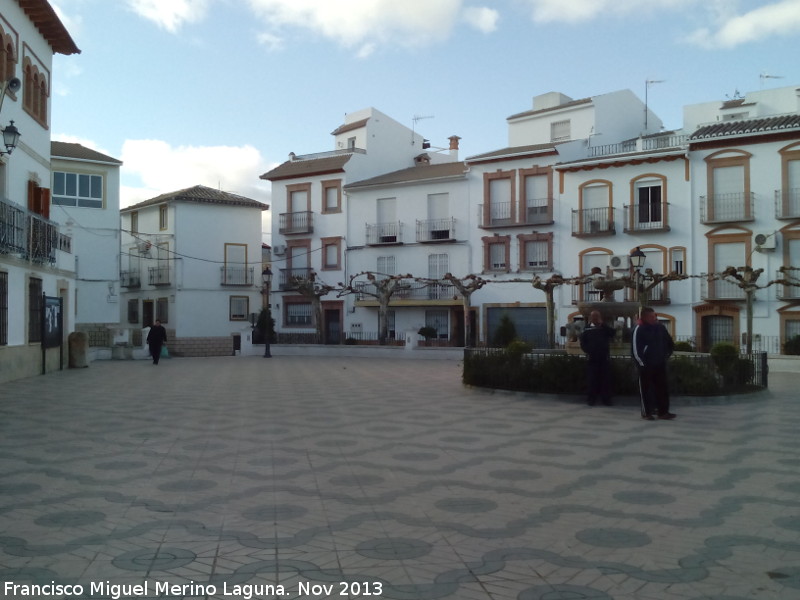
(292, 156)
(454, 145)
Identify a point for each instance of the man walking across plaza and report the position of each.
(652, 345)
(595, 340)
(156, 338)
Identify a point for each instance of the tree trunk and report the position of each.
(551, 317)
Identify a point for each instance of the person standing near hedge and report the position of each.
(595, 340)
(652, 345)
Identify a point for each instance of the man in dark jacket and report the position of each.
(155, 339)
(595, 340)
(652, 346)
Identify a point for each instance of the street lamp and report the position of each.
(10, 138)
(637, 262)
(266, 279)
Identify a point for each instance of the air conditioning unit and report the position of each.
(765, 240)
(279, 249)
(619, 262)
(143, 247)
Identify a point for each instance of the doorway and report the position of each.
(147, 313)
(333, 326)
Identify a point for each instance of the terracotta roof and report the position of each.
(748, 127)
(350, 126)
(49, 25)
(70, 150)
(512, 151)
(305, 168)
(413, 174)
(202, 195)
(528, 113)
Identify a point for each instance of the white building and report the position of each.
(315, 226)
(192, 259)
(35, 259)
(85, 204)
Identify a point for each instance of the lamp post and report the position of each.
(266, 279)
(11, 133)
(637, 262)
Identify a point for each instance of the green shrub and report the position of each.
(350, 341)
(684, 347)
(427, 332)
(506, 332)
(792, 346)
(692, 377)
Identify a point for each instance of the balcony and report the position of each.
(646, 218)
(727, 208)
(30, 235)
(130, 279)
(538, 211)
(593, 222)
(788, 292)
(787, 204)
(648, 144)
(658, 295)
(296, 222)
(290, 278)
(380, 234)
(236, 276)
(436, 230)
(721, 290)
(410, 293)
(160, 275)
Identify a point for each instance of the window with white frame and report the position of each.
(387, 265)
(239, 308)
(560, 131)
(77, 189)
(163, 220)
(537, 255)
(648, 198)
(537, 202)
(678, 260)
(497, 257)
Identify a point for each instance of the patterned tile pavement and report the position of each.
(354, 478)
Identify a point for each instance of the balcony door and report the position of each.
(729, 201)
(387, 220)
(728, 255)
(595, 209)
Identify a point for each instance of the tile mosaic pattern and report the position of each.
(351, 478)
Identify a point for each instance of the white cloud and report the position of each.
(482, 18)
(363, 24)
(170, 14)
(162, 168)
(774, 19)
(575, 11)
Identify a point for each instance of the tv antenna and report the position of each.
(415, 119)
(647, 85)
(764, 76)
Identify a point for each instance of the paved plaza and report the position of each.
(333, 477)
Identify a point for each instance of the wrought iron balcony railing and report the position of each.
(130, 279)
(787, 203)
(30, 235)
(720, 290)
(240, 276)
(296, 222)
(160, 275)
(538, 211)
(590, 222)
(727, 208)
(289, 278)
(646, 217)
(384, 233)
(788, 292)
(436, 230)
(411, 291)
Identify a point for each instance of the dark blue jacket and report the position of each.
(651, 345)
(595, 340)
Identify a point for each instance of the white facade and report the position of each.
(192, 259)
(85, 204)
(582, 184)
(36, 256)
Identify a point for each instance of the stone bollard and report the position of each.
(78, 350)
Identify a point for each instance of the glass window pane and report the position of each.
(58, 183)
(97, 186)
(71, 184)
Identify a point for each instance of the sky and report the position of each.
(217, 92)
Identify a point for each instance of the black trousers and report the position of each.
(653, 390)
(598, 375)
(155, 352)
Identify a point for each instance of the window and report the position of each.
(496, 253)
(560, 131)
(8, 61)
(729, 198)
(438, 319)
(298, 197)
(3, 309)
(35, 95)
(162, 310)
(498, 191)
(537, 198)
(351, 143)
(239, 308)
(133, 311)
(649, 200)
(34, 310)
(298, 314)
(78, 189)
(236, 271)
(332, 196)
(438, 267)
(497, 257)
(331, 253)
(678, 260)
(163, 221)
(387, 265)
(135, 222)
(536, 252)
